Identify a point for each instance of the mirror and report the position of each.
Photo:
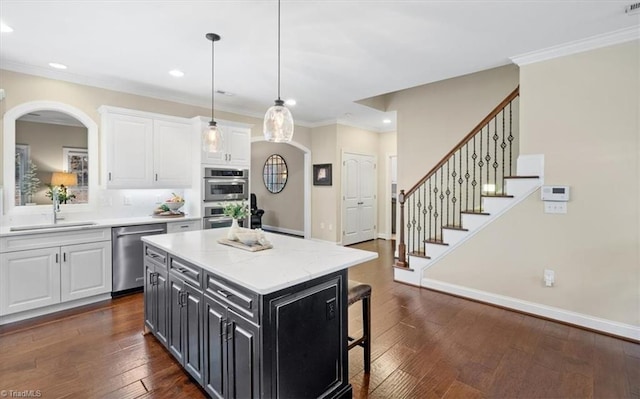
(48, 142)
(43, 137)
(274, 173)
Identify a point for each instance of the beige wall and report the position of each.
(433, 118)
(323, 198)
(46, 142)
(387, 146)
(582, 112)
(285, 209)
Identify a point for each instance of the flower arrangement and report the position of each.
(64, 194)
(236, 210)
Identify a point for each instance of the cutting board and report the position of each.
(238, 244)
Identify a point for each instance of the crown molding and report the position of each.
(578, 46)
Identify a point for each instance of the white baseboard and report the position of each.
(283, 230)
(384, 236)
(28, 314)
(566, 316)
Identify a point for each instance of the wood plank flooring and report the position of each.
(425, 345)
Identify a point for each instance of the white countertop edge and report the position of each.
(229, 271)
(5, 231)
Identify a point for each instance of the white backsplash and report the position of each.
(111, 204)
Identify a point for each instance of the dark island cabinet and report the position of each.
(156, 310)
(231, 353)
(236, 343)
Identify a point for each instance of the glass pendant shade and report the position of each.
(211, 138)
(278, 123)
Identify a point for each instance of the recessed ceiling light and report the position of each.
(4, 28)
(57, 66)
(176, 73)
(386, 121)
(290, 101)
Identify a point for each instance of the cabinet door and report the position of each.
(243, 362)
(176, 340)
(193, 351)
(172, 158)
(150, 304)
(161, 299)
(29, 279)
(85, 270)
(129, 151)
(238, 146)
(215, 354)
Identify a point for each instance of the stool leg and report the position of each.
(366, 326)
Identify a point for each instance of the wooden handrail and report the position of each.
(466, 139)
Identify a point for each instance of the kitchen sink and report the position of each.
(51, 226)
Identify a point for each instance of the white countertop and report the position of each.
(99, 224)
(291, 260)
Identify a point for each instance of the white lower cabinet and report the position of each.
(85, 270)
(29, 280)
(40, 270)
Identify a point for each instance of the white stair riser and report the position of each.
(435, 250)
(472, 222)
(408, 276)
(494, 205)
(517, 187)
(453, 236)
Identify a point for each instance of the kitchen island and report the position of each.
(266, 324)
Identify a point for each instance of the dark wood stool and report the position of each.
(360, 291)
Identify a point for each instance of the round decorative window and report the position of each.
(274, 173)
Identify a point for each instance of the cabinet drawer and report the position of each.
(186, 271)
(187, 225)
(155, 255)
(242, 301)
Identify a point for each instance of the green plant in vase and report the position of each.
(235, 210)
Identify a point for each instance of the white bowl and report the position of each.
(174, 206)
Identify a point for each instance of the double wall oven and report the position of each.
(221, 186)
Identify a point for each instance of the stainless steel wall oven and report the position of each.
(220, 187)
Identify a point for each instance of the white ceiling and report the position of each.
(334, 52)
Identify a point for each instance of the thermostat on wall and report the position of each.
(555, 193)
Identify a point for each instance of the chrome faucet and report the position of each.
(56, 204)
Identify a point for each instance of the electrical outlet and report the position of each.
(549, 277)
(330, 227)
(322, 225)
(158, 199)
(126, 200)
(331, 309)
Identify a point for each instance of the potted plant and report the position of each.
(235, 210)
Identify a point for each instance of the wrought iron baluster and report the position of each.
(430, 208)
(441, 202)
(460, 181)
(510, 138)
(495, 154)
(454, 174)
(448, 192)
(474, 183)
(424, 212)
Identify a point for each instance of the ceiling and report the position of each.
(334, 52)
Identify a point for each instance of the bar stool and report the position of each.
(360, 291)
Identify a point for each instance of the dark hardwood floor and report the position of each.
(425, 344)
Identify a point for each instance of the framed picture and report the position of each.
(322, 174)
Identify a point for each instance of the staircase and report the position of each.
(475, 183)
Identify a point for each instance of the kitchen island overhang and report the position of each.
(271, 323)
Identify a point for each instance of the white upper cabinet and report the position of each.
(145, 150)
(236, 145)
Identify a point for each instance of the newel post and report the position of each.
(402, 248)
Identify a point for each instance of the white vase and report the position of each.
(231, 234)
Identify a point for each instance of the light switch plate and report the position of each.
(555, 207)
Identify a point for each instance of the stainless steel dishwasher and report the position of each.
(128, 267)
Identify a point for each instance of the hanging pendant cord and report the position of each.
(278, 49)
(212, 66)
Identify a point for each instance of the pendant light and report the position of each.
(211, 134)
(278, 122)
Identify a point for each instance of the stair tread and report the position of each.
(460, 228)
(419, 254)
(475, 213)
(521, 177)
(435, 241)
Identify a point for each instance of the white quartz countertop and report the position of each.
(71, 225)
(291, 260)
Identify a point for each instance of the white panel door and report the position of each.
(129, 151)
(29, 279)
(172, 155)
(359, 198)
(85, 270)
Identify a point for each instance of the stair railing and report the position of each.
(474, 168)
